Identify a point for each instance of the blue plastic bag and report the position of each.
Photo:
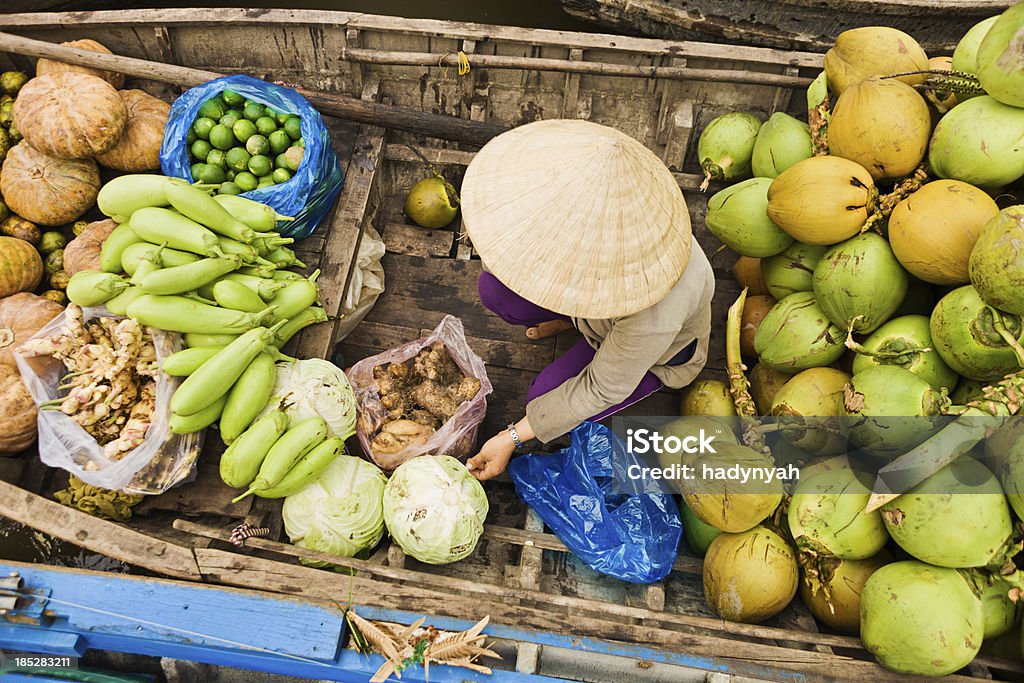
(308, 196)
(578, 492)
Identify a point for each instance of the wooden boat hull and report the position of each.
(790, 24)
(662, 93)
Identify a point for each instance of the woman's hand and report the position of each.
(493, 457)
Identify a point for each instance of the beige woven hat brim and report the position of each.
(577, 217)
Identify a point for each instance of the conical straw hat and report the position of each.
(577, 217)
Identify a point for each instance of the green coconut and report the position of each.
(707, 397)
(958, 518)
(430, 204)
(1006, 439)
(918, 619)
(1011, 462)
(792, 269)
(859, 283)
(965, 56)
(738, 216)
(750, 576)
(883, 125)
(721, 428)
(1001, 58)
(890, 410)
(764, 384)
(808, 406)
(997, 261)
(867, 51)
(827, 517)
(832, 591)
(726, 145)
(781, 142)
(972, 337)
(724, 502)
(981, 142)
(796, 335)
(906, 342)
(822, 200)
(698, 534)
(999, 610)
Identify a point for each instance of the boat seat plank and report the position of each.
(98, 535)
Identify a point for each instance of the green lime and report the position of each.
(228, 119)
(201, 149)
(260, 165)
(282, 175)
(230, 174)
(216, 158)
(238, 159)
(191, 137)
(301, 143)
(280, 161)
(265, 182)
(243, 130)
(282, 117)
(221, 137)
(279, 141)
(293, 158)
(293, 126)
(234, 111)
(266, 125)
(270, 111)
(202, 127)
(213, 108)
(245, 180)
(229, 188)
(257, 144)
(252, 111)
(211, 174)
(197, 169)
(231, 98)
(248, 102)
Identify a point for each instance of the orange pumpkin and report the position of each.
(70, 115)
(47, 190)
(83, 252)
(21, 268)
(17, 412)
(139, 147)
(48, 66)
(21, 316)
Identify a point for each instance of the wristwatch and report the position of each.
(515, 435)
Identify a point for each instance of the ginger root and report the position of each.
(419, 397)
(399, 435)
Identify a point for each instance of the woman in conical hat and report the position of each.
(579, 225)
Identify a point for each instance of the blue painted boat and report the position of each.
(66, 613)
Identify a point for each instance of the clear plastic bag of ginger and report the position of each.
(426, 397)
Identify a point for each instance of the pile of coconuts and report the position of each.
(883, 259)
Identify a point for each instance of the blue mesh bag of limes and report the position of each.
(259, 140)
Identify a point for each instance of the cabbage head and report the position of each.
(435, 509)
(339, 513)
(313, 387)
